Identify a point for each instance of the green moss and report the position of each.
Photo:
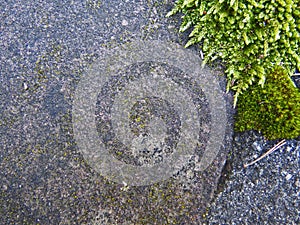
(249, 36)
(252, 38)
(93, 4)
(274, 110)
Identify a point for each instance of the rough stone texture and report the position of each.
(267, 192)
(44, 179)
(45, 46)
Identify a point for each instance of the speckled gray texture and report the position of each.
(267, 192)
(195, 96)
(46, 46)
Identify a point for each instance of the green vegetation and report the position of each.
(274, 109)
(252, 38)
(93, 4)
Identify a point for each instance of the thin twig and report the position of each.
(278, 145)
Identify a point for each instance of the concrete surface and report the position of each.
(46, 47)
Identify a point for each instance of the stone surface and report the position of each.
(265, 193)
(46, 48)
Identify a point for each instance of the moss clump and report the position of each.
(259, 43)
(250, 36)
(274, 109)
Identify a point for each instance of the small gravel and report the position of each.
(267, 192)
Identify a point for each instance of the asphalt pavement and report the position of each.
(48, 49)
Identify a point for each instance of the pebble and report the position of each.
(124, 22)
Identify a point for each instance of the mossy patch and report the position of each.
(258, 42)
(249, 36)
(273, 109)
